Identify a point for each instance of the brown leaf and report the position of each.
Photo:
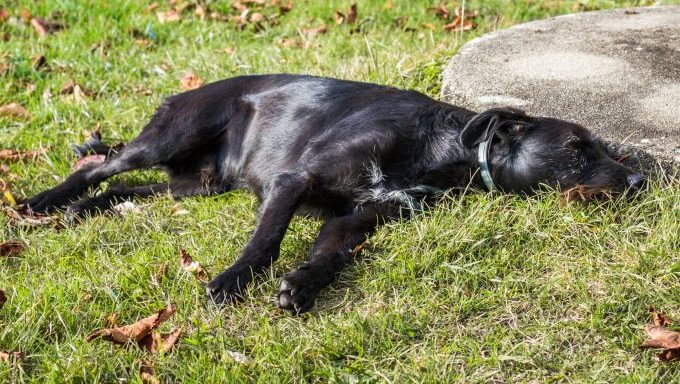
(169, 16)
(17, 155)
(112, 319)
(283, 8)
(158, 278)
(288, 42)
(351, 16)
(658, 318)
(441, 11)
(151, 7)
(200, 11)
(669, 355)
(23, 217)
(193, 267)
(12, 357)
(39, 62)
(148, 374)
(11, 248)
(4, 15)
(323, 28)
(658, 337)
(190, 81)
(136, 331)
(25, 15)
(87, 160)
(14, 110)
(160, 343)
(460, 24)
(3, 298)
(43, 27)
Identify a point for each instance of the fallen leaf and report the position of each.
(659, 337)
(112, 319)
(323, 28)
(160, 343)
(239, 357)
(17, 155)
(126, 207)
(143, 90)
(190, 81)
(12, 357)
(133, 332)
(44, 27)
(229, 50)
(8, 196)
(193, 267)
(351, 16)
(288, 42)
(148, 374)
(151, 7)
(658, 318)
(169, 16)
(3, 298)
(12, 248)
(23, 217)
(162, 270)
(87, 160)
(459, 24)
(177, 210)
(283, 8)
(14, 110)
(441, 11)
(39, 62)
(200, 11)
(25, 15)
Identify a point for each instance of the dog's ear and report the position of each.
(480, 126)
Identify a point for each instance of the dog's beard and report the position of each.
(585, 193)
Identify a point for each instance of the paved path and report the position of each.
(616, 72)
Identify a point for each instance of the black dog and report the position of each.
(357, 153)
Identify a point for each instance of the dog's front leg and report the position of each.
(282, 200)
(334, 248)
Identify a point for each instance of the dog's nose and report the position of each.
(636, 181)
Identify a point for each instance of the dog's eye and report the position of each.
(518, 129)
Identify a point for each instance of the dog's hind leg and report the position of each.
(337, 243)
(134, 156)
(283, 198)
(179, 187)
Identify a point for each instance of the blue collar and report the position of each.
(483, 159)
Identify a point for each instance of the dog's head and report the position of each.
(526, 152)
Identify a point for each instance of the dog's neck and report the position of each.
(450, 164)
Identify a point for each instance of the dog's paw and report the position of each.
(229, 286)
(44, 202)
(297, 293)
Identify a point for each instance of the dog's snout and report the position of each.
(636, 181)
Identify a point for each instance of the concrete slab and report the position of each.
(616, 72)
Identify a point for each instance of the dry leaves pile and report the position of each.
(660, 337)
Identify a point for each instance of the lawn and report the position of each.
(481, 288)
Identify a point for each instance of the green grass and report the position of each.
(479, 289)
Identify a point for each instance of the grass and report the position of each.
(481, 288)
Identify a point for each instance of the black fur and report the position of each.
(358, 153)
